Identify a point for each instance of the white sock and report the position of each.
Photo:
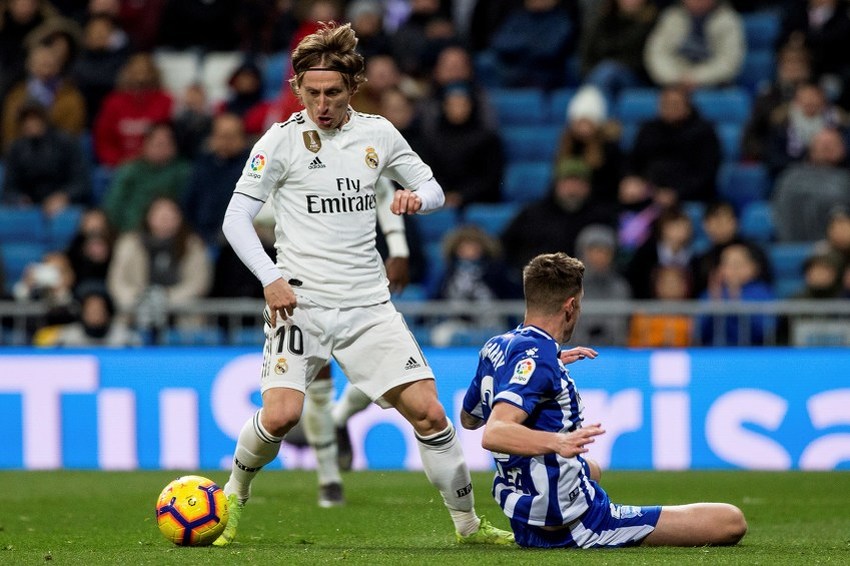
(446, 469)
(255, 448)
(320, 431)
(351, 402)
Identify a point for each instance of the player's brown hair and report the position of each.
(549, 280)
(332, 47)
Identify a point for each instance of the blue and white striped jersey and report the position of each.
(521, 367)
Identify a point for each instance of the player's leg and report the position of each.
(321, 434)
(698, 524)
(351, 402)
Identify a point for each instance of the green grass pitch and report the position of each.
(88, 517)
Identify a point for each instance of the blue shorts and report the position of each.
(604, 525)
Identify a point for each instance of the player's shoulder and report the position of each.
(374, 122)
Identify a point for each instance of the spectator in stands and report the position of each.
(90, 249)
(99, 62)
(596, 246)
(554, 222)
(192, 121)
(474, 273)
(793, 68)
(265, 26)
(591, 137)
(696, 43)
(46, 85)
(464, 153)
(795, 124)
(612, 46)
(45, 166)
(670, 245)
(821, 277)
(400, 109)
(530, 47)
(367, 21)
(837, 241)
(62, 36)
(669, 283)
(822, 280)
(231, 279)
(162, 264)
(805, 192)
(417, 41)
(822, 27)
(17, 19)
(678, 151)
(487, 17)
(159, 171)
(738, 279)
(50, 280)
(245, 89)
(638, 211)
(129, 111)
(214, 173)
(381, 74)
(720, 224)
(97, 325)
(204, 24)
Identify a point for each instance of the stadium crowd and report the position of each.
(683, 149)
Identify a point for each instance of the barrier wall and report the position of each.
(775, 409)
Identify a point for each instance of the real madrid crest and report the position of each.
(312, 140)
(371, 157)
(281, 366)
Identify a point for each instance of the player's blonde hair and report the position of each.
(331, 48)
(549, 280)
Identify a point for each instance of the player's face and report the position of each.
(326, 98)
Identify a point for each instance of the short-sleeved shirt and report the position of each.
(322, 187)
(522, 367)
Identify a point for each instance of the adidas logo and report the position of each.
(412, 363)
(316, 164)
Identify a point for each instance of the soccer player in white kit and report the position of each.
(327, 295)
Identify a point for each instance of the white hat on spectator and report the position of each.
(588, 103)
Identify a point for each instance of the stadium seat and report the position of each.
(743, 183)
(17, 256)
(761, 29)
(1, 180)
(557, 104)
(216, 68)
(22, 225)
(628, 133)
(491, 217)
(527, 181)
(695, 211)
(757, 71)
(787, 259)
(178, 70)
(434, 226)
(729, 135)
(101, 178)
(413, 292)
(193, 337)
(530, 143)
(436, 262)
(62, 227)
(728, 105)
(756, 222)
(274, 72)
(246, 337)
(637, 105)
(518, 107)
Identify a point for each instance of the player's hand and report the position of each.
(281, 299)
(576, 354)
(574, 443)
(398, 273)
(405, 201)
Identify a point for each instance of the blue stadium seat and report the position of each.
(761, 29)
(628, 133)
(757, 71)
(518, 107)
(787, 259)
(247, 336)
(24, 225)
(530, 143)
(743, 183)
(101, 178)
(17, 256)
(728, 105)
(756, 222)
(637, 105)
(413, 292)
(193, 337)
(1, 180)
(432, 227)
(491, 217)
(729, 135)
(695, 211)
(274, 71)
(558, 102)
(433, 252)
(527, 181)
(62, 227)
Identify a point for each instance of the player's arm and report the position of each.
(506, 433)
(427, 197)
(392, 226)
(469, 421)
(238, 228)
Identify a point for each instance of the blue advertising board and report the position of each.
(182, 408)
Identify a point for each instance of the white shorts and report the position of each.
(372, 345)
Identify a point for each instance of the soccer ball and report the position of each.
(191, 511)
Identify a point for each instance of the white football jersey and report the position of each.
(322, 188)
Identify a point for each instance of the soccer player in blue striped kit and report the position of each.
(524, 394)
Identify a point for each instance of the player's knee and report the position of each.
(733, 525)
(280, 420)
(429, 418)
